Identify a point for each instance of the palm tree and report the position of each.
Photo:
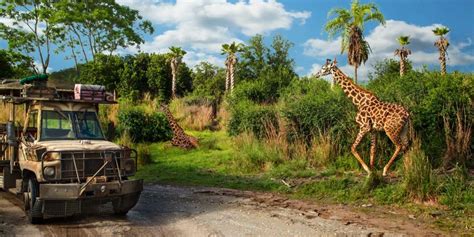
(231, 50)
(175, 57)
(442, 44)
(403, 52)
(349, 23)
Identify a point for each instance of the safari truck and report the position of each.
(58, 158)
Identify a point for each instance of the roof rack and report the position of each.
(13, 91)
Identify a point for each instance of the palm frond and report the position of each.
(403, 40)
(441, 31)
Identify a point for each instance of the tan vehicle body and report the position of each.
(59, 159)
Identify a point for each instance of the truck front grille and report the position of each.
(88, 163)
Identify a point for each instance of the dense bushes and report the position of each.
(251, 117)
(141, 126)
(441, 108)
(311, 107)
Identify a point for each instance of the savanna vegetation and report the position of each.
(261, 126)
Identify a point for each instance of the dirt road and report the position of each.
(181, 211)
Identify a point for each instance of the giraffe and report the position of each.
(372, 115)
(180, 138)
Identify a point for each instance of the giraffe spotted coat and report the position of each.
(372, 115)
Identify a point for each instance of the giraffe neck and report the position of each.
(173, 124)
(357, 94)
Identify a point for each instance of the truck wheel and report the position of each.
(32, 207)
(123, 204)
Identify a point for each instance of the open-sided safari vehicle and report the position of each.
(59, 159)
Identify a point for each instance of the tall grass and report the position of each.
(419, 180)
(458, 137)
(278, 147)
(193, 117)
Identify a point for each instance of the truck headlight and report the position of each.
(49, 171)
(129, 166)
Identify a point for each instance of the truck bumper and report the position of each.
(59, 200)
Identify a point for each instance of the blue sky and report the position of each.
(201, 26)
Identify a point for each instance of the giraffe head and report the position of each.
(327, 68)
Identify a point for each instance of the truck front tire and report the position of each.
(32, 206)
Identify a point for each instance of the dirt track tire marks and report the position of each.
(184, 211)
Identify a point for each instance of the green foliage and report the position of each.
(24, 35)
(429, 97)
(144, 154)
(441, 31)
(133, 83)
(14, 65)
(419, 181)
(403, 40)
(103, 26)
(159, 76)
(271, 66)
(456, 190)
(134, 76)
(208, 81)
(250, 117)
(143, 127)
(104, 70)
(311, 107)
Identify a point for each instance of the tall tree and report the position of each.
(175, 57)
(231, 50)
(14, 65)
(442, 44)
(101, 26)
(32, 29)
(403, 52)
(349, 23)
(253, 59)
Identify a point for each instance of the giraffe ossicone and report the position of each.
(372, 115)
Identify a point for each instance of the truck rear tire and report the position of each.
(123, 204)
(32, 206)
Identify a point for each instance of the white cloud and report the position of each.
(193, 58)
(319, 47)
(23, 26)
(202, 26)
(383, 43)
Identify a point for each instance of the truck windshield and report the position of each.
(58, 125)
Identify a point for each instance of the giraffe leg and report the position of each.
(398, 146)
(373, 145)
(360, 135)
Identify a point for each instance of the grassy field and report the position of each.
(218, 163)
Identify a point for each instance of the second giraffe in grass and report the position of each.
(180, 138)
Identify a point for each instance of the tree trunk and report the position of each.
(355, 73)
(75, 58)
(442, 58)
(173, 81)
(231, 71)
(80, 43)
(402, 66)
(227, 76)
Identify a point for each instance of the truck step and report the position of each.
(13, 190)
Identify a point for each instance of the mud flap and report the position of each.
(123, 204)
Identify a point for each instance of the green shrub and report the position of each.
(141, 126)
(419, 181)
(312, 107)
(431, 99)
(144, 154)
(456, 191)
(249, 117)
